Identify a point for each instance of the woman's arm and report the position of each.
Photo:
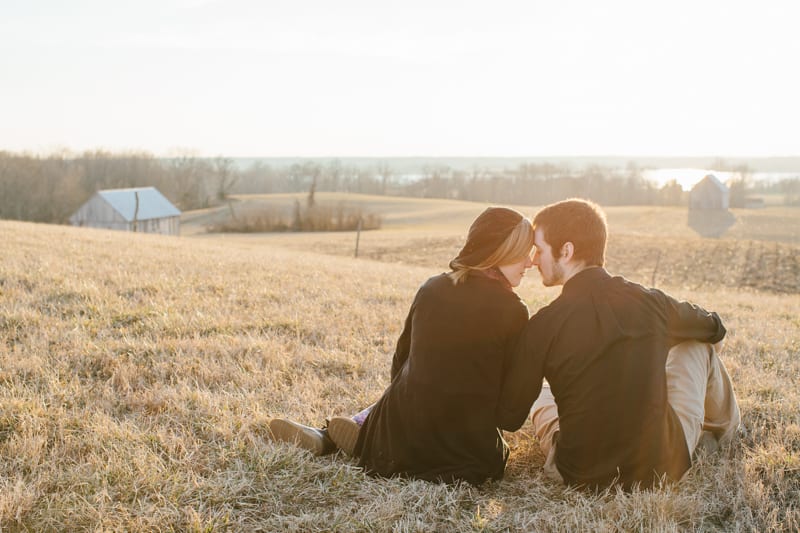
(403, 347)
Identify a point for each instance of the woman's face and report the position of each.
(514, 271)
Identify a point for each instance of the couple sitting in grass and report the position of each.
(621, 383)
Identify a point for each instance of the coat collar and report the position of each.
(584, 279)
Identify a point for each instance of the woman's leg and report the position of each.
(344, 430)
(362, 415)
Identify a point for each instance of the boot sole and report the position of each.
(344, 432)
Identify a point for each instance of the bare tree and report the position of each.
(333, 175)
(226, 176)
(385, 175)
(186, 172)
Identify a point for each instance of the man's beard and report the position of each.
(556, 276)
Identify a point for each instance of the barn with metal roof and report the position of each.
(141, 209)
(709, 193)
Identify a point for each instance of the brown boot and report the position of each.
(312, 439)
(343, 431)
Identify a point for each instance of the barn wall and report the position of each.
(97, 213)
(163, 226)
(707, 196)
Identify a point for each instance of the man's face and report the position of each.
(550, 267)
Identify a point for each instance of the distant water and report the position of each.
(687, 171)
(688, 177)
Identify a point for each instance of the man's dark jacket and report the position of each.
(602, 345)
(437, 419)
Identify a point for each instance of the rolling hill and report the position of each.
(138, 374)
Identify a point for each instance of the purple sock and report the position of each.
(362, 415)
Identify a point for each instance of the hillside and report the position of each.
(138, 374)
(655, 245)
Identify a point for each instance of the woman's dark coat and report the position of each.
(437, 419)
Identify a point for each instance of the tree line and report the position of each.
(50, 188)
(533, 184)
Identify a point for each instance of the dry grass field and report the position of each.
(138, 374)
(653, 245)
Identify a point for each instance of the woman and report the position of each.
(436, 420)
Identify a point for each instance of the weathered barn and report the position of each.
(142, 209)
(709, 193)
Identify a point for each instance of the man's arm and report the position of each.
(522, 381)
(687, 321)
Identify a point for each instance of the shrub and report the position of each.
(319, 217)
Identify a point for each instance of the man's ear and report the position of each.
(567, 250)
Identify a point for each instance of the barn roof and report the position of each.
(152, 204)
(712, 179)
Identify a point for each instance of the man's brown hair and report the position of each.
(581, 222)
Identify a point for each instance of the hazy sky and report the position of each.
(379, 78)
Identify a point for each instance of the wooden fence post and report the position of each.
(655, 270)
(358, 233)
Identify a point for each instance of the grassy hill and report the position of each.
(138, 374)
(656, 245)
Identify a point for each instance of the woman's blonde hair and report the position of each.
(515, 247)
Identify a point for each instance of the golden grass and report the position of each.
(653, 245)
(395, 212)
(138, 374)
(773, 223)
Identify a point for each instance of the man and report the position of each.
(634, 378)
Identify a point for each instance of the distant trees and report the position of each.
(739, 183)
(528, 183)
(671, 193)
(39, 190)
(50, 188)
(535, 185)
(789, 189)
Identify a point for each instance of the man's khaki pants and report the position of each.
(698, 389)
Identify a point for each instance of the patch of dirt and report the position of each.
(706, 263)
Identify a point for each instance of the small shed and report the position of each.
(142, 209)
(709, 193)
